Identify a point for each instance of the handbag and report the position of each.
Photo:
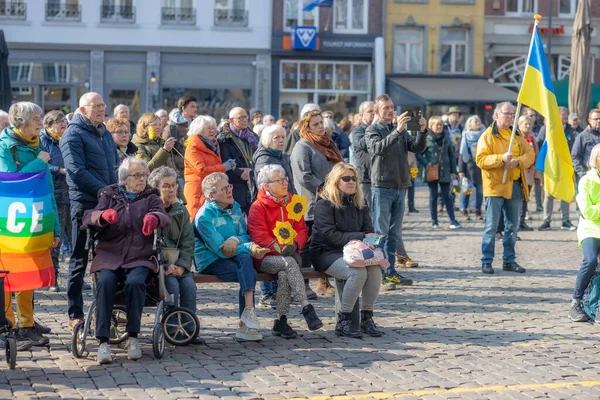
(171, 254)
(360, 254)
(432, 171)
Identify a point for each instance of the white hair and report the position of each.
(268, 116)
(267, 173)
(3, 114)
(308, 108)
(268, 133)
(86, 98)
(119, 107)
(235, 110)
(159, 174)
(124, 168)
(159, 113)
(21, 114)
(200, 123)
(499, 107)
(209, 184)
(363, 106)
(258, 129)
(329, 124)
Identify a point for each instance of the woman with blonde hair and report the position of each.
(341, 215)
(467, 166)
(152, 148)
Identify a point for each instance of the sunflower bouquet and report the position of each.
(284, 231)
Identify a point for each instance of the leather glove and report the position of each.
(150, 224)
(289, 250)
(110, 216)
(229, 164)
(229, 247)
(258, 252)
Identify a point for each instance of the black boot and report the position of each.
(367, 325)
(310, 316)
(281, 328)
(343, 327)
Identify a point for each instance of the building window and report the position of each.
(408, 50)
(16, 9)
(567, 8)
(350, 16)
(117, 11)
(63, 10)
(178, 12)
(521, 7)
(294, 15)
(453, 50)
(231, 13)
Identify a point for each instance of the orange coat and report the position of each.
(205, 162)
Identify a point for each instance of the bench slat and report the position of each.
(308, 273)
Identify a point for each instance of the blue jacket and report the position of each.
(50, 146)
(582, 148)
(213, 225)
(90, 157)
(27, 163)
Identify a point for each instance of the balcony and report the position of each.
(117, 14)
(14, 10)
(63, 12)
(231, 17)
(178, 16)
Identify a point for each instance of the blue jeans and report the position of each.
(268, 288)
(464, 198)
(388, 213)
(238, 268)
(590, 248)
(183, 290)
(512, 209)
(433, 200)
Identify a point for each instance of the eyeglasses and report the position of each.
(96, 106)
(226, 189)
(281, 181)
(508, 114)
(138, 176)
(121, 132)
(244, 118)
(348, 178)
(166, 186)
(284, 126)
(36, 119)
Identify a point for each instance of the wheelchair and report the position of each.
(175, 325)
(10, 343)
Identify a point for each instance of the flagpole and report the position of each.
(537, 18)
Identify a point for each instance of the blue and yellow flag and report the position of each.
(537, 92)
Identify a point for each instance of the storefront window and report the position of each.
(342, 76)
(325, 76)
(341, 104)
(131, 98)
(307, 76)
(361, 77)
(289, 75)
(23, 93)
(64, 72)
(214, 102)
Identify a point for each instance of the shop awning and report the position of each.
(423, 91)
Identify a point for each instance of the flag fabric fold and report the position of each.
(318, 3)
(26, 230)
(537, 92)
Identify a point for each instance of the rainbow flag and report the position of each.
(26, 230)
(537, 92)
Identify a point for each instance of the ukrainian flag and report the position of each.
(537, 92)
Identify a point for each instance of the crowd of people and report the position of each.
(226, 197)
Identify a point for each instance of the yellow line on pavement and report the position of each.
(500, 388)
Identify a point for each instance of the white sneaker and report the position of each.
(104, 356)
(134, 350)
(250, 319)
(247, 334)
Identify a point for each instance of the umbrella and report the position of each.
(5, 90)
(581, 61)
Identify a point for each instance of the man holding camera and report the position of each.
(388, 144)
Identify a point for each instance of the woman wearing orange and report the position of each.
(203, 157)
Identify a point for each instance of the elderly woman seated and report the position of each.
(223, 248)
(126, 216)
(341, 215)
(266, 212)
(178, 241)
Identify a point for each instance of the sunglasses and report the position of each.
(348, 178)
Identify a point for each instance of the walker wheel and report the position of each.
(158, 341)
(181, 326)
(11, 352)
(78, 340)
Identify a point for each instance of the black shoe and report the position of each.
(545, 227)
(367, 325)
(576, 313)
(281, 328)
(487, 268)
(23, 343)
(513, 266)
(343, 327)
(524, 227)
(86, 286)
(405, 281)
(43, 329)
(36, 338)
(310, 316)
(568, 226)
(413, 210)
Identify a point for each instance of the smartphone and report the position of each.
(413, 124)
(373, 241)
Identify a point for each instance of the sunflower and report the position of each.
(185, 143)
(151, 133)
(296, 208)
(414, 172)
(284, 233)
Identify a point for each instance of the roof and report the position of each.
(443, 90)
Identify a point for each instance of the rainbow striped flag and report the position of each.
(537, 92)
(26, 230)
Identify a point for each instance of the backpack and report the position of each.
(590, 301)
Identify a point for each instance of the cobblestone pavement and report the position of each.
(455, 334)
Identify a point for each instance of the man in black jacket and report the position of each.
(388, 144)
(91, 160)
(362, 159)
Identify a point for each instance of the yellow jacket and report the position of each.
(490, 148)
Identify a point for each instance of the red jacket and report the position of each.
(263, 215)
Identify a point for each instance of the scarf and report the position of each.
(53, 134)
(247, 135)
(324, 145)
(275, 153)
(211, 144)
(33, 143)
(100, 129)
(469, 141)
(282, 202)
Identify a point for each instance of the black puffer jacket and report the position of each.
(334, 228)
(264, 157)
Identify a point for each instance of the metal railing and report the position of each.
(176, 16)
(13, 10)
(117, 14)
(63, 12)
(231, 17)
